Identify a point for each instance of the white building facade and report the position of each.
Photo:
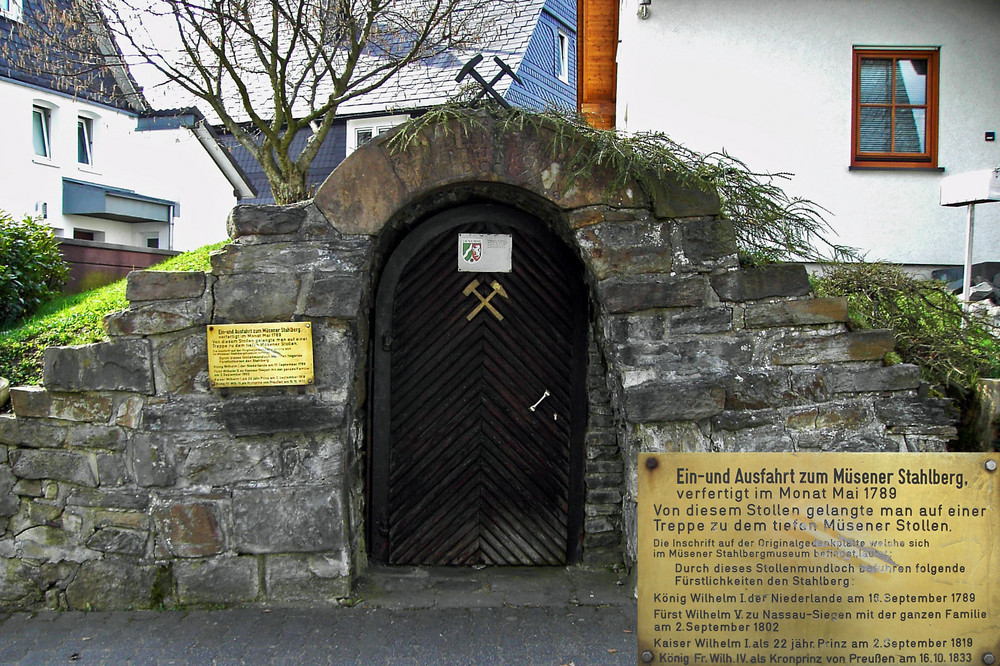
(94, 176)
(869, 103)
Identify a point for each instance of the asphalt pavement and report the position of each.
(559, 616)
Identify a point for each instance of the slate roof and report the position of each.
(541, 87)
(421, 85)
(430, 84)
(27, 56)
(329, 156)
(418, 87)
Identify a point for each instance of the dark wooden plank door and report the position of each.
(477, 450)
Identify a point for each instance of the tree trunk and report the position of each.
(289, 187)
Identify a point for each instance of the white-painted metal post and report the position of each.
(968, 189)
(967, 270)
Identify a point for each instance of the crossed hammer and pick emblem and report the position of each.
(484, 301)
(487, 86)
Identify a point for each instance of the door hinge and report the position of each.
(386, 341)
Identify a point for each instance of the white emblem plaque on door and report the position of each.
(484, 253)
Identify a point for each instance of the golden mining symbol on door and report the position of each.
(484, 301)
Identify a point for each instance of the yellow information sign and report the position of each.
(819, 558)
(260, 354)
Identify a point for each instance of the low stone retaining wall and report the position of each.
(984, 430)
(128, 482)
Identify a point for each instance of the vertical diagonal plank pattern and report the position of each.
(476, 476)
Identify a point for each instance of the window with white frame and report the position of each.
(362, 135)
(562, 57)
(41, 129)
(85, 140)
(362, 130)
(11, 9)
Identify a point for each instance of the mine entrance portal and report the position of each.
(479, 397)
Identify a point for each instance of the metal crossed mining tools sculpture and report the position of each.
(470, 70)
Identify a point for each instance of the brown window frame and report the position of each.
(924, 160)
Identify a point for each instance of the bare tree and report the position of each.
(274, 70)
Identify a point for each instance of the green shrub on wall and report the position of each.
(32, 269)
(953, 347)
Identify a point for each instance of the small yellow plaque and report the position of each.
(819, 558)
(260, 354)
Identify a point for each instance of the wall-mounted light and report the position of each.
(644, 8)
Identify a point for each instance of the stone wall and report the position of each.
(127, 481)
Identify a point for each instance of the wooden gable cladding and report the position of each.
(597, 69)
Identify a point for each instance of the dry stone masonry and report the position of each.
(127, 482)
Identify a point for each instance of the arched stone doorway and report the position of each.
(258, 494)
(479, 396)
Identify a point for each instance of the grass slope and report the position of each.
(75, 320)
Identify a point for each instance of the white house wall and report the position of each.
(164, 164)
(769, 81)
(181, 170)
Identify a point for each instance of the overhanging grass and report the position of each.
(75, 319)
(769, 224)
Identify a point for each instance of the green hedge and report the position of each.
(32, 269)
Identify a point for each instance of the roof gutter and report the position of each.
(222, 158)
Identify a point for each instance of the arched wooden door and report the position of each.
(479, 398)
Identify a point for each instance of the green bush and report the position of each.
(953, 348)
(32, 269)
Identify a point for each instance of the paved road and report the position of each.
(549, 635)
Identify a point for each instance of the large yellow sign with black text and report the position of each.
(819, 558)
